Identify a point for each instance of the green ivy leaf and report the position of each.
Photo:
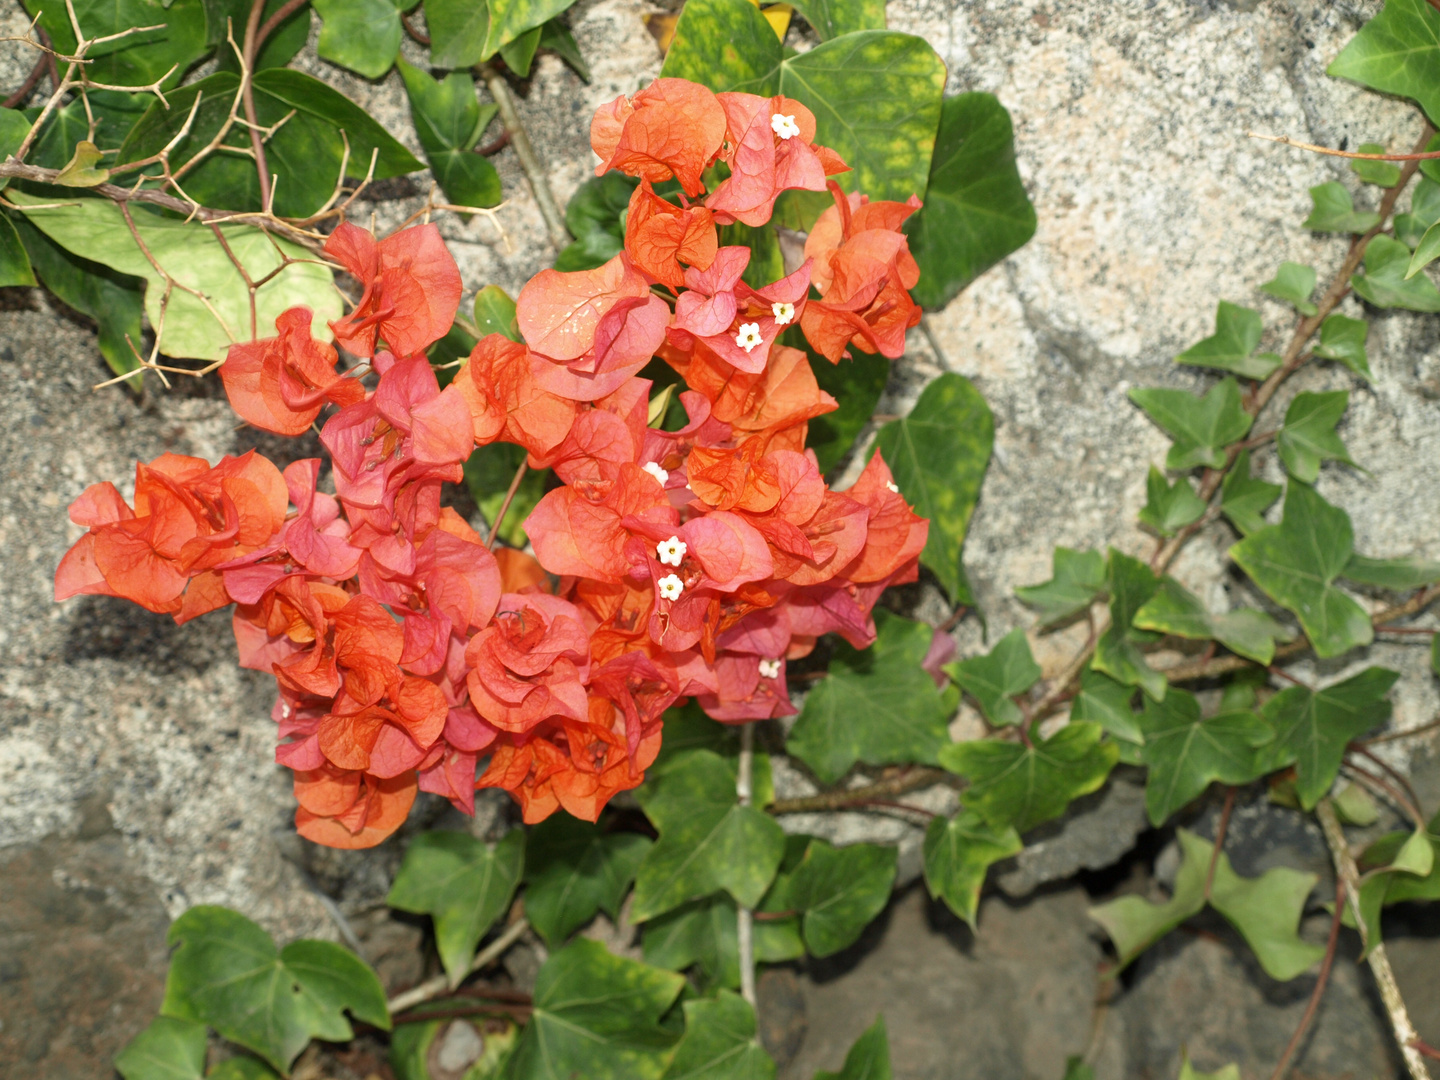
(868, 1059)
(958, 852)
(1230, 348)
(241, 1067)
(1244, 499)
(1296, 562)
(227, 973)
(976, 211)
(1343, 339)
(1076, 579)
(1397, 575)
(876, 96)
(574, 869)
(1174, 609)
(875, 93)
(519, 53)
(1185, 753)
(556, 37)
(1334, 211)
(115, 301)
(725, 45)
(1025, 786)
(1312, 727)
(1266, 910)
(138, 59)
(1104, 701)
(94, 229)
(463, 884)
(595, 217)
(1293, 282)
(876, 705)
(938, 455)
(1169, 507)
(362, 35)
(168, 1049)
(495, 313)
(839, 891)
(449, 120)
(1427, 250)
(1117, 653)
(720, 1043)
(1385, 282)
(703, 934)
(14, 263)
(1201, 427)
(1380, 173)
(1308, 435)
(831, 18)
(596, 1015)
(1411, 227)
(707, 840)
(1397, 52)
(463, 32)
(856, 384)
(994, 679)
(1229, 1072)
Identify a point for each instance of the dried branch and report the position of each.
(912, 779)
(1308, 1017)
(1349, 877)
(247, 92)
(505, 506)
(529, 160)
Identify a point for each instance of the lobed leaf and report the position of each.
(1334, 211)
(1117, 653)
(168, 1049)
(1398, 575)
(1077, 579)
(1169, 507)
(868, 1059)
(574, 869)
(1185, 754)
(976, 211)
(877, 706)
(1308, 435)
(1175, 610)
(1343, 339)
(994, 679)
(1381, 173)
(938, 456)
(1202, 428)
(1293, 282)
(1295, 563)
(958, 852)
(1397, 52)
(463, 884)
(839, 891)
(720, 1043)
(362, 35)
(1232, 346)
(1023, 786)
(1243, 498)
(1102, 700)
(703, 934)
(594, 217)
(1386, 282)
(832, 18)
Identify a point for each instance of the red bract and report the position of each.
(667, 564)
(412, 288)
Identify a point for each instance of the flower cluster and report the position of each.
(667, 564)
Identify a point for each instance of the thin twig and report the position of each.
(1380, 786)
(1395, 774)
(744, 923)
(439, 984)
(912, 779)
(268, 26)
(1220, 831)
(1349, 875)
(529, 161)
(1286, 140)
(1313, 1005)
(1391, 736)
(505, 506)
(31, 81)
(247, 91)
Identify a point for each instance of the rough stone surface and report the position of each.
(1130, 123)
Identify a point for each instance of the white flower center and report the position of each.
(769, 669)
(891, 485)
(671, 552)
(654, 469)
(784, 126)
(670, 587)
(749, 336)
(784, 313)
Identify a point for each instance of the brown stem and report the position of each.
(416, 35)
(281, 14)
(419, 1015)
(1379, 961)
(1313, 1005)
(910, 780)
(505, 506)
(529, 160)
(1395, 774)
(1220, 831)
(494, 146)
(1382, 787)
(1418, 1043)
(1391, 736)
(247, 93)
(891, 804)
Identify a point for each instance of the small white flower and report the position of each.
(670, 587)
(769, 669)
(891, 485)
(654, 469)
(749, 336)
(784, 126)
(671, 552)
(784, 313)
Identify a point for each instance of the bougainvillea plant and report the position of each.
(668, 565)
